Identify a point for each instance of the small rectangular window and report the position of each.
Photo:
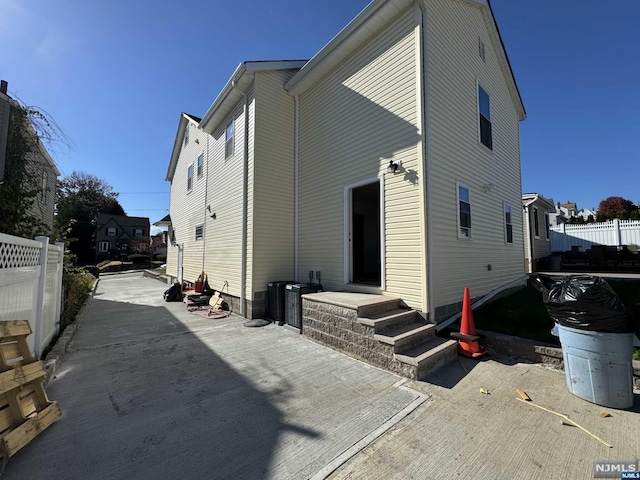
(104, 247)
(138, 232)
(200, 164)
(112, 231)
(508, 224)
(190, 177)
(186, 135)
(199, 232)
(464, 212)
(228, 140)
(536, 223)
(484, 118)
(546, 224)
(481, 49)
(43, 193)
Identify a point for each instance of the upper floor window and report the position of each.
(200, 164)
(536, 223)
(484, 118)
(508, 224)
(186, 135)
(190, 177)
(112, 231)
(481, 49)
(138, 232)
(228, 140)
(43, 193)
(464, 212)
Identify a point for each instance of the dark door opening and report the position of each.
(365, 234)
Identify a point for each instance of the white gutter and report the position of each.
(427, 181)
(245, 201)
(445, 323)
(296, 149)
(529, 242)
(240, 69)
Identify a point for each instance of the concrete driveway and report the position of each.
(151, 391)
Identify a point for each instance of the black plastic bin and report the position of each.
(276, 300)
(293, 312)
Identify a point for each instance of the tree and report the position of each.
(79, 198)
(616, 207)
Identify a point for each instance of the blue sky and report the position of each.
(116, 75)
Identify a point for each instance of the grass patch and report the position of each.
(524, 315)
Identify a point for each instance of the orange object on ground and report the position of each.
(467, 339)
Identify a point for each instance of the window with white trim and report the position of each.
(186, 135)
(189, 178)
(199, 232)
(508, 224)
(228, 140)
(464, 212)
(484, 118)
(200, 165)
(104, 247)
(546, 224)
(112, 231)
(536, 223)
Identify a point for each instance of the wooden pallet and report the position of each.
(25, 410)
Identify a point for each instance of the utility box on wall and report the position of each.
(293, 313)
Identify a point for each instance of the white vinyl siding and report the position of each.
(454, 71)
(273, 181)
(352, 123)
(188, 208)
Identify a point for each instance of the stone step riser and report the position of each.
(437, 360)
(378, 308)
(394, 321)
(414, 340)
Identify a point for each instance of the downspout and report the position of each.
(206, 197)
(296, 240)
(529, 242)
(426, 183)
(245, 202)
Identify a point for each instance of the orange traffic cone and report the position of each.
(467, 339)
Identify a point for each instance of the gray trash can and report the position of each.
(598, 366)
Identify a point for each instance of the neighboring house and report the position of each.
(389, 163)
(569, 209)
(119, 235)
(536, 212)
(585, 213)
(40, 166)
(564, 212)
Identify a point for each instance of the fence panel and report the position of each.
(25, 294)
(613, 233)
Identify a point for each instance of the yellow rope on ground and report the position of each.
(567, 419)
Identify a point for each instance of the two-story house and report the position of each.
(388, 163)
(119, 235)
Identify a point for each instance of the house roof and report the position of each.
(371, 21)
(177, 143)
(531, 198)
(237, 87)
(122, 220)
(569, 205)
(164, 221)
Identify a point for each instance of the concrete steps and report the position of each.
(376, 329)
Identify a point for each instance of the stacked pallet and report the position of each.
(25, 410)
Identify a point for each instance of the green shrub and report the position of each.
(77, 285)
(138, 259)
(92, 269)
(161, 257)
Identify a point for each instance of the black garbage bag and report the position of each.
(173, 293)
(583, 302)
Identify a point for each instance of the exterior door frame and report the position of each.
(348, 226)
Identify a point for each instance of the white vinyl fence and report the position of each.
(31, 286)
(613, 233)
